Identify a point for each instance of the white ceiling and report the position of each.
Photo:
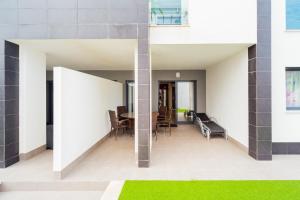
(192, 56)
(86, 54)
(119, 54)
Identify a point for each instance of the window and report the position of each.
(169, 12)
(292, 14)
(293, 88)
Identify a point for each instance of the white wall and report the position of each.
(227, 95)
(285, 53)
(32, 99)
(81, 119)
(212, 21)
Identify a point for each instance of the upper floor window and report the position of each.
(169, 12)
(292, 14)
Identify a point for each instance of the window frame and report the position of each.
(286, 20)
(290, 109)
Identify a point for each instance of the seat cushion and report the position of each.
(203, 117)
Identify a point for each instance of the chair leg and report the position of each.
(110, 133)
(156, 135)
(116, 133)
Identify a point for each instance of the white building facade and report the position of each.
(248, 50)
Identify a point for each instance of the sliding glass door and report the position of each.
(185, 99)
(130, 95)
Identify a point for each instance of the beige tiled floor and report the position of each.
(185, 155)
(51, 195)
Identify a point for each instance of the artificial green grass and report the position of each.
(211, 190)
(182, 110)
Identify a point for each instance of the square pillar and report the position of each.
(142, 95)
(260, 86)
(9, 100)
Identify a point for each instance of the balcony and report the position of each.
(169, 12)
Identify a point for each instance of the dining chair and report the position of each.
(121, 110)
(167, 121)
(116, 124)
(154, 124)
(162, 113)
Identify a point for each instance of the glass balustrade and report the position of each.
(169, 12)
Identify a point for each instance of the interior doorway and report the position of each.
(167, 99)
(180, 98)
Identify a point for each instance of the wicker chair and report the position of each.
(121, 110)
(154, 124)
(116, 124)
(166, 122)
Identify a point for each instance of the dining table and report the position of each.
(130, 116)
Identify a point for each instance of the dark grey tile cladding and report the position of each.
(263, 105)
(2, 153)
(11, 78)
(11, 49)
(143, 138)
(259, 89)
(264, 133)
(264, 91)
(284, 148)
(279, 148)
(11, 150)
(10, 161)
(11, 63)
(263, 78)
(9, 105)
(2, 138)
(12, 136)
(57, 19)
(144, 152)
(252, 52)
(264, 119)
(252, 132)
(264, 147)
(11, 121)
(143, 163)
(252, 65)
(11, 92)
(263, 64)
(2, 123)
(294, 148)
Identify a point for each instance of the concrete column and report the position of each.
(143, 93)
(9, 103)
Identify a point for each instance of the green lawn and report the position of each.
(211, 190)
(182, 110)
